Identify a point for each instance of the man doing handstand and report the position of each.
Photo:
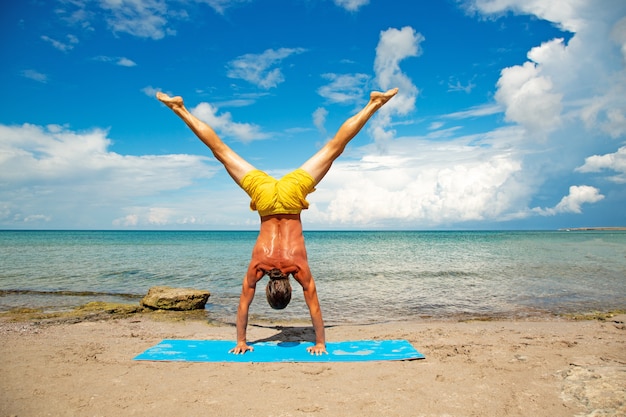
(279, 250)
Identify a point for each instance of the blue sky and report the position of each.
(511, 113)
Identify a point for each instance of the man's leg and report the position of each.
(320, 163)
(235, 165)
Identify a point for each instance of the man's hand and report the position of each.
(318, 349)
(241, 348)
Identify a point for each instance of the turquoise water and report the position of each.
(361, 276)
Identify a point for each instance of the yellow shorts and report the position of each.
(271, 196)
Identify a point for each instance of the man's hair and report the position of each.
(278, 289)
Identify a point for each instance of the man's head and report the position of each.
(278, 289)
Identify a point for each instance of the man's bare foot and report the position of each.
(171, 102)
(380, 98)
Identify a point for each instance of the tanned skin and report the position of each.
(280, 243)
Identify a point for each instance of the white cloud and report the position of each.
(618, 34)
(125, 62)
(37, 218)
(130, 220)
(220, 6)
(437, 133)
(261, 69)
(201, 208)
(50, 173)
(476, 111)
(152, 19)
(141, 18)
(578, 195)
(578, 82)
(393, 47)
(319, 119)
(351, 5)
(571, 203)
(455, 85)
(568, 94)
(421, 184)
(35, 76)
(150, 91)
(529, 98)
(121, 61)
(435, 125)
(149, 216)
(62, 46)
(565, 13)
(344, 88)
(160, 215)
(612, 161)
(224, 124)
(607, 113)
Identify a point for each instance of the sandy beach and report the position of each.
(541, 367)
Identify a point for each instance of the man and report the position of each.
(279, 250)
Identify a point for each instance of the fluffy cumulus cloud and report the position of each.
(571, 203)
(393, 47)
(451, 183)
(581, 81)
(262, 69)
(615, 162)
(49, 172)
(568, 96)
(528, 98)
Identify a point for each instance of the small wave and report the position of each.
(451, 273)
(122, 274)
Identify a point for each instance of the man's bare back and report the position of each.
(280, 245)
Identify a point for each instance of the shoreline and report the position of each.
(107, 310)
(56, 304)
(541, 367)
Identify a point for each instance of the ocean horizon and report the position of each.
(362, 276)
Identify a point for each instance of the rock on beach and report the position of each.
(168, 298)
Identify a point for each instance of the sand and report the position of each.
(541, 367)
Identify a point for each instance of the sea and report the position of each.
(362, 276)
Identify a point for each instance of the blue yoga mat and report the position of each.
(217, 351)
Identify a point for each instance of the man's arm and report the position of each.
(310, 296)
(247, 295)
